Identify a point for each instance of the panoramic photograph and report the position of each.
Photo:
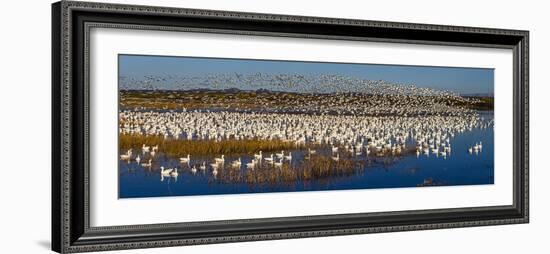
(205, 126)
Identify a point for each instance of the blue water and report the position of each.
(459, 168)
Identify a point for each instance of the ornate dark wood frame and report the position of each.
(71, 22)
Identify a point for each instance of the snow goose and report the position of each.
(289, 156)
(220, 160)
(185, 159)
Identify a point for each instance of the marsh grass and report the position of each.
(179, 148)
(317, 167)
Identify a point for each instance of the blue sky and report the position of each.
(460, 80)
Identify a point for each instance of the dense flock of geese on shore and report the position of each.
(308, 103)
(355, 132)
(356, 135)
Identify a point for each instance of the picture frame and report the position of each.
(71, 228)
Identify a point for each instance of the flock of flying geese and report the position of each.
(290, 82)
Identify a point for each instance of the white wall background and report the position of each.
(25, 125)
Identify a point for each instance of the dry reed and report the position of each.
(176, 148)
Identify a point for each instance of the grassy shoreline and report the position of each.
(157, 99)
(180, 148)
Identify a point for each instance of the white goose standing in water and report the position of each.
(126, 156)
(251, 164)
(289, 156)
(185, 159)
(145, 149)
(236, 163)
(165, 172)
(269, 159)
(220, 160)
(258, 156)
(203, 166)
